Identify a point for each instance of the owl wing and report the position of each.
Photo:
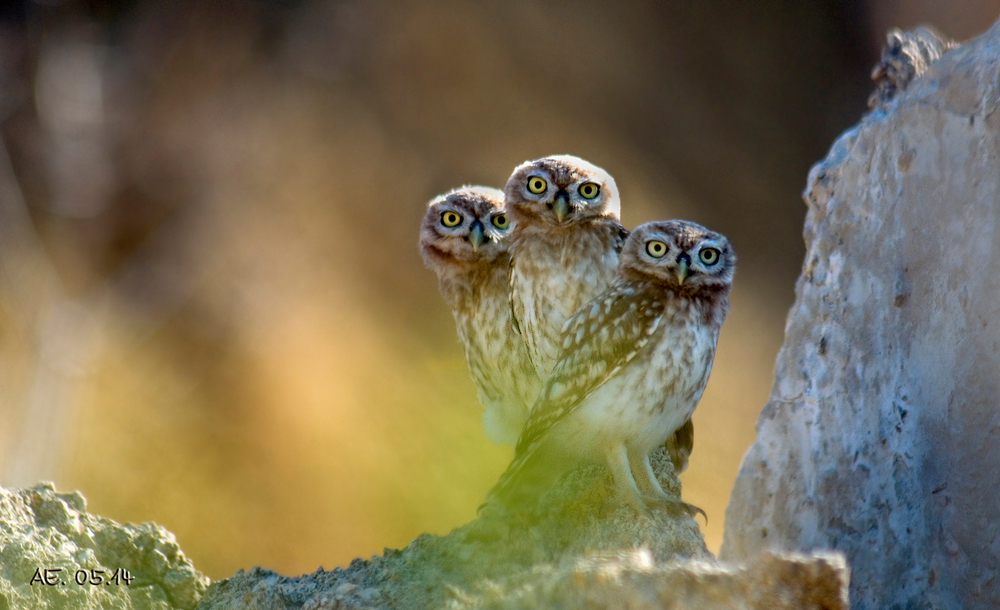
(597, 341)
(511, 295)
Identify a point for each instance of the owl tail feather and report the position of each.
(520, 486)
(679, 446)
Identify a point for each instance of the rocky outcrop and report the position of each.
(880, 436)
(580, 548)
(631, 580)
(905, 56)
(579, 519)
(54, 554)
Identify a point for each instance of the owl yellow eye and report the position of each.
(536, 185)
(451, 219)
(656, 248)
(709, 256)
(589, 190)
(501, 221)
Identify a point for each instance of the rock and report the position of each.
(41, 529)
(880, 436)
(580, 548)
(579, 519)
(634, 582)
(905, 56)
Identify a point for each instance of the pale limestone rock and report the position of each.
(634, 582)
(905, 56)
(579, 518)
(41, 529)
(583, 548)
(882, 434)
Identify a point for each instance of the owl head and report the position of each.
(562, 190)
(466, 226)
(682, 255)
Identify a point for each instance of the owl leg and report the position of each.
(625, 482)
(645, 477)
(655, 495)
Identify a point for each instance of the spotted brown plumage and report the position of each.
(633, 363)
(463, 239)
(564, 247)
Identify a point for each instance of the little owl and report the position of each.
(564, 247)
(632, 365)
(463, 239)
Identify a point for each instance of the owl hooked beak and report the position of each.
(681, 272)
(476, 236)
(561, 206)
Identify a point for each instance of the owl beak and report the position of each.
(683, 261)
(561, 206)
(476, 236)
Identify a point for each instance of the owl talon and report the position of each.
(694, 511)
(665, 502)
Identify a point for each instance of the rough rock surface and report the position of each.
(580, 549)
(880, 436)
(630, 580)
(579, 518)
(634, 582)
(42, 529)
(905, 56)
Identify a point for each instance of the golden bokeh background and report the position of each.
(213, 314)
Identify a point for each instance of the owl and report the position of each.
(463, 239)
(632, 365)
(564, 246)
(564, 249)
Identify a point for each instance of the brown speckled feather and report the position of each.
(559, 265)
(474, 282)
(632, 366)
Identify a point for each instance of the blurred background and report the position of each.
(213, 314)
